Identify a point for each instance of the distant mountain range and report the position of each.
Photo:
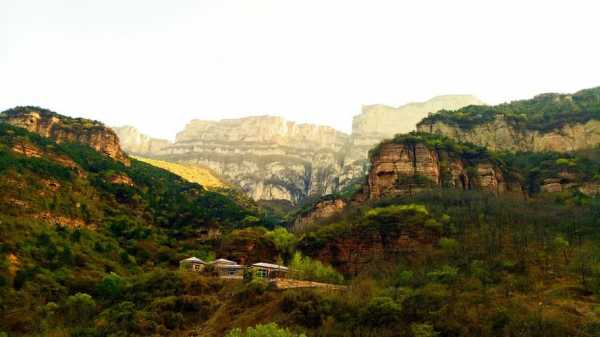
(274, 159)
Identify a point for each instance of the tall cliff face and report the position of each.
(65, 129)
(268, 157)
(547, 122)
(382, 121)
(406, 167)
(378, 122)
(274, 159)
(139, 144)
(501, 134)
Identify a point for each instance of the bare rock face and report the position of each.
(382, 121)
(399, 169)
(378, 122)
(565, 181)
(64, 129)
(268, 157)
(274, 159)
(500, 135)
(321, 210)
(139, 144)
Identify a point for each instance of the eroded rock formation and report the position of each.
(64, 129)
(500, 134)
(323, 209)
(407, 168)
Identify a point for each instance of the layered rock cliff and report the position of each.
(274, 159)
(65, 129)
(501, 134)
(378, 122)
(139, 144)
(547, 122)
(404, 166)
(268, 157)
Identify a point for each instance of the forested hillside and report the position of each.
(72, 217)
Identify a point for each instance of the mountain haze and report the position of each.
(274, 159)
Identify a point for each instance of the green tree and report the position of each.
(111, 286)
(305, 268)
(423, 330)
(561, 245)
(284, 241)
(381, 311)
(267, 330)
(80, 308)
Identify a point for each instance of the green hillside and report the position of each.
(70, 217)
(543, 112)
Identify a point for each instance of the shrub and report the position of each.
(80, 308)
(307, 307)
(284, 241)
(446, 274)
(305, 268)
(403, 278)
(449, 246)
(111, 286)
(381, 311)
(423, 330)
(268, 330)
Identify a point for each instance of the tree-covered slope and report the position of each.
(543, 112)
(70, 216)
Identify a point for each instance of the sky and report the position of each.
(157, 64)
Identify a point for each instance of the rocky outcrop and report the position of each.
(405, 168)
(566, 181)
(323, 209)
(354, 248)
(378, 122)
(501, 134)
(64, 129)
(139, 144)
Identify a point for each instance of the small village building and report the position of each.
(192, 264)
(231, 271)
(269, 270)
(222, 262)
(228, 269)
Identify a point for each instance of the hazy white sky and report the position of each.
(158, 64)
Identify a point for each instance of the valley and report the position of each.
(413, 233)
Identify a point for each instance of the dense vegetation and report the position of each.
(543, 112)
(484, 266)
(90, 247)
(77, 224)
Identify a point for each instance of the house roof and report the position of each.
(270, 266)
(223, 261)
(231, 266)
(193, 259)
